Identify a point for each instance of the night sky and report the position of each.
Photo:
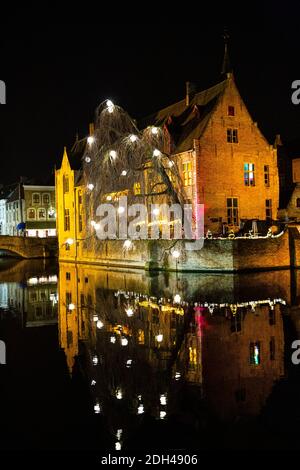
(56, 75)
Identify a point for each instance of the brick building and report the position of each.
(223, 161)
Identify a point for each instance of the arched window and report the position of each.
(36, 198)
(46, 199)
(31, 214)
(41, 214)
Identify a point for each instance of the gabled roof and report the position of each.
(186, 123)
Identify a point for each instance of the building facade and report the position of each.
(2, 216)
(30, 211)
(223, 161)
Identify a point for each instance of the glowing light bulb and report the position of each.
(140, 409)
(124, 341)
(90, 186)
(128, 363)
(109, 103)
(171, 163)
(119, 394)
(90, 139)
(100, 324)
(162, 414)
(69, 241)
(112, 339)
(127, 244)
(97, 408)
(113, 154)
(163, 399)
(159, 338)
(71, 307)
(118, 446)
(108, 198)
(156, 153)
(88, 159)
(95, 360)
(129, 312)
(95, 318)
(177, 299)
(124, 173)
(176, 254)
(177, 375)
(154, 130)
(133, 138)
(93, 382)
(121, 210)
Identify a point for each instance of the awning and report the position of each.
(21, 226)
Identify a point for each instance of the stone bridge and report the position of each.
(28, 247)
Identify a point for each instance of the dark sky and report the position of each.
(56, 75)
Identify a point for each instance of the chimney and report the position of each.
(187, 95)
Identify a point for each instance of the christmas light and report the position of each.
(112, 339)
(108, 198)
(93, 382)
(110, 106)
(154, 130)
(95, 360)
(95, 318)
(176, 254)
(90, 186)
(177, 375)
(119, 394)
(128, 363)
(69, 241)
(113, 154)
(140, 409)
(156, 153)
(129, 312)
(124, 341)
(118, 446)
(88, 159)
(159, 338)
(162, 414)
(121, 210)
(124, 173)
(100, 324)
(133, 138)
(97, 408)
(177, 299)
(163, 399)
(90, 140)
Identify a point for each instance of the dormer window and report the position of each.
(231, 111)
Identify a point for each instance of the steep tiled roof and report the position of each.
(186, 123)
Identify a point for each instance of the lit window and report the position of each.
(249, 176)
(232, 211)
(67, 220)
(255, 353)
(187, 173)
(36, 199)
(231, 111)
(46, 199)
(41, 214)
(267, 175)
(66, 184)
(31, 214)
(232, 136)
(268, 209)
(137, 188)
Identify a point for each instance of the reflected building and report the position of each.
(141, 340)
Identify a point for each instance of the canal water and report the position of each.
(111, 360)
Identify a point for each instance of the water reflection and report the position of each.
(29, 291)
(193, 348)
